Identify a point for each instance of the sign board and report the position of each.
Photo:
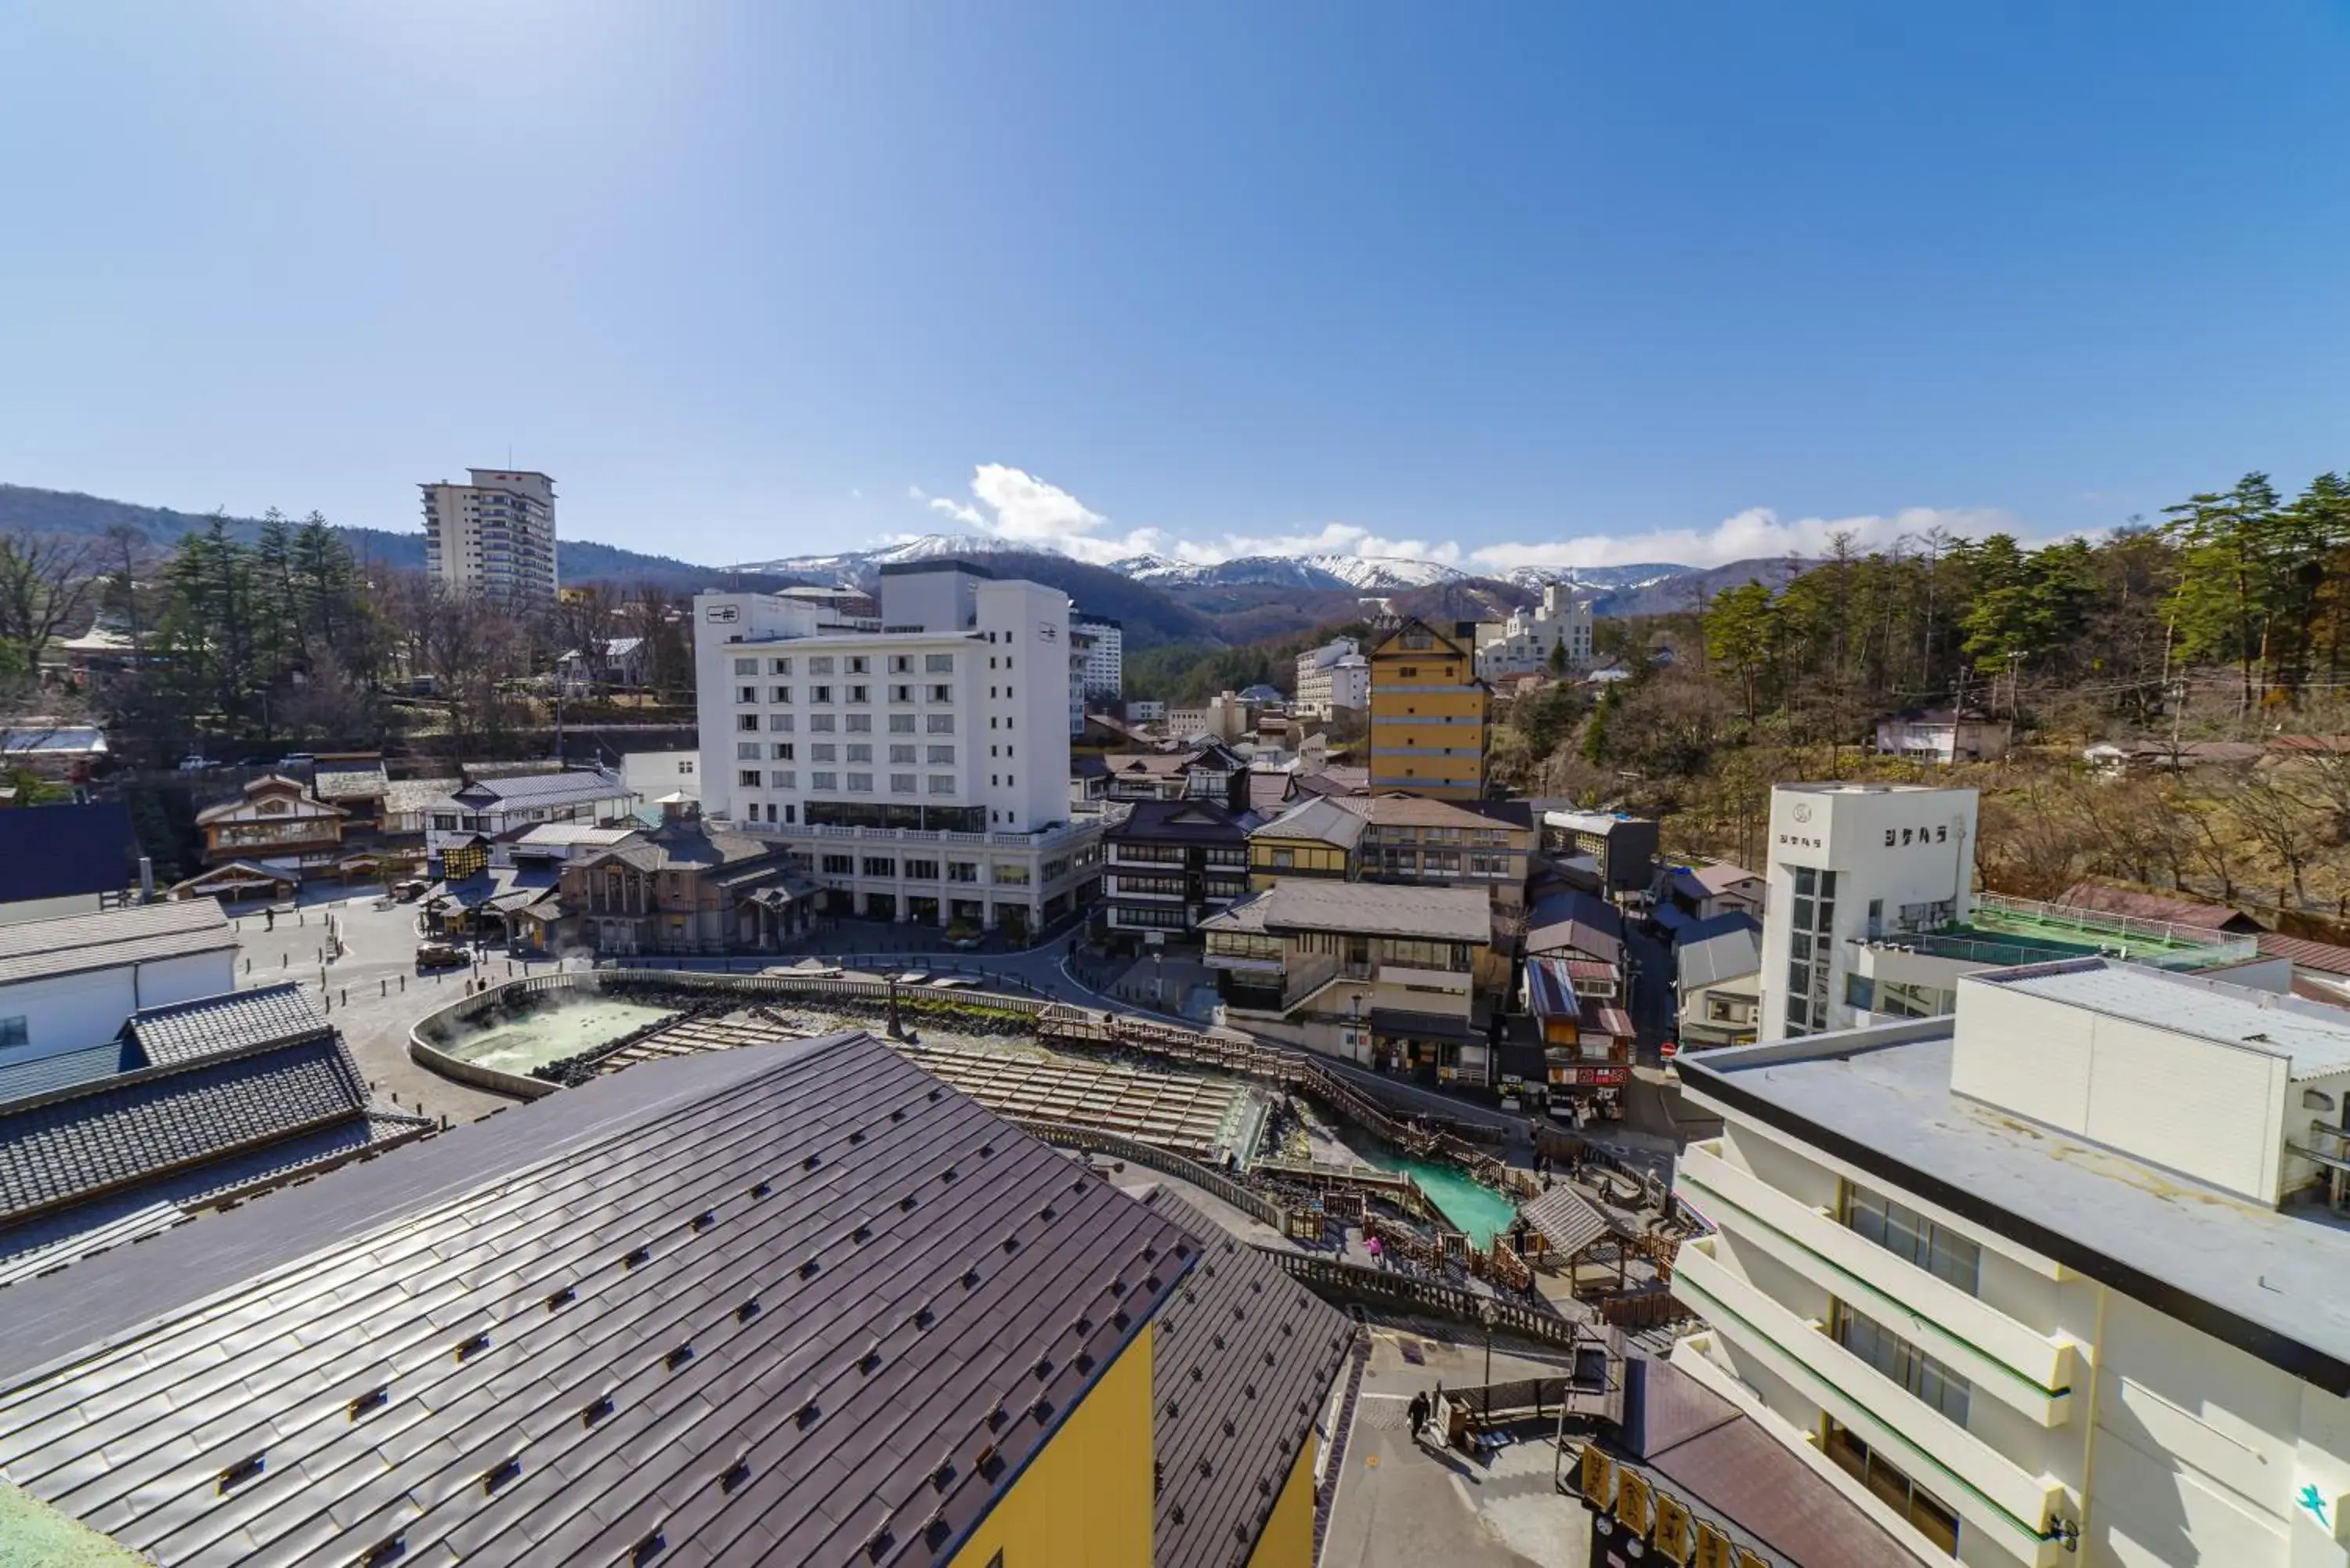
(721, 614)
(1592, 1074)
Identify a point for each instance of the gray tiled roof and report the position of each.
(47, 1075)
(1722, 947)
(798, 1304)
(35, 950)
(1567, 1219)
(1440, 914)
(578, 783)
(1241, 1360)
(235, 1021)
(67, 1145)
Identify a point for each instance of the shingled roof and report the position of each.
(788, 1303)
(38, 950)
(1243, 1359)
(235, 1021)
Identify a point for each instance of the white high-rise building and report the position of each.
(1333, 676)
(1522, 644)
(924, 766)
(1104, 668)
(494, 537)
(2059, 1279)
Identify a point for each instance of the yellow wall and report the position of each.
(1288, 1538)
(1308, 857)
(1086, 1500)
(1409, 740)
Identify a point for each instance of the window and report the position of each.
(783, 778)
(941, 693)
(779, 693)
(861, 783)
(824, 781)
(939, 724)
(781, 750)
(822, 723)
(937, 664)
(445, 822)
(1903, 1232)
(819, 693)
(943, 784)
(780, 667)
(901, 723)
(942, 756)
(860, 753)
(746, 693)
(880, 866)
(901, 694)
(1929, 1515)
(922, 870)
(859, 723)
(1903, 1361)
(746, 667)
(901, 664)
(780, 722)
(963, 870)
(746, 751)
(1011, 876)
(860, 694)
(902, 784)
(820, 665)
(859, 665)
(16, 1031)
(840, 865)
(750, 778)
(901, 754)
(824, 751)
(746, 720)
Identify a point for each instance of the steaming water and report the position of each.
(550, 1036)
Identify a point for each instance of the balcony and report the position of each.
(1990, 1492)
(1301, 977)
(2004, 1360)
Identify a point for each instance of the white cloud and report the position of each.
(1012, 504)
(1756, 532)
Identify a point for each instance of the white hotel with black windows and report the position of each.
(919, 763)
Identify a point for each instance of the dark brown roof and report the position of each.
(1181, 821)
(1241, 1360)
(2154, 907)
(2323, 957)
(1727, 1469)
(793, 1304)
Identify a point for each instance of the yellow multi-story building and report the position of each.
(1430, 714)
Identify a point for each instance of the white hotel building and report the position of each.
(495, 537)
(2064, 1278)
(918, 765)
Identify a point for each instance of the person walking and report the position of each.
(1378, 1254)
(1418, 1412)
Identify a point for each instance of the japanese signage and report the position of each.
(1599, 1075)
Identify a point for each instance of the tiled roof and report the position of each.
(1184, 821)
(1567, 1221)
(1723, 947)
(47, 1075)
(214, 1025)
(796, 1304)
(1326, 821)
(2323, 957)
(57, 1148)
(63, 851)
(1438, 914)
(1241, 1360)
(2154, 907)
(349, 780)
(578, 783)
(36, 949)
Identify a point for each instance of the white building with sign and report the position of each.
(920, 771)
(1872, 914)
(2064, 1278)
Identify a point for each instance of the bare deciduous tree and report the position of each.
(47, 584)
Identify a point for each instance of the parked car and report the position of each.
(439, 955)
(409, 891)
(192, 763)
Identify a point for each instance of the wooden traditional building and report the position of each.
(684, 887)
(276, 822)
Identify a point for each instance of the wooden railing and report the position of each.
(1093, 1141)
(1329, 1276)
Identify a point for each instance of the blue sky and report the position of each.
(1500, 284)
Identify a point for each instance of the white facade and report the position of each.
(1103, 669)
(941, 742)
(71, 983)
(493, 806)
(1333, 676)
(1845, 861)
(649, 775)
(1522, 645)
(494, 537)
(1942, 739)
(1146, 711)
(2050, 1283)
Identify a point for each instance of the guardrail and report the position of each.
(1091, 1140)
(1386, 1288)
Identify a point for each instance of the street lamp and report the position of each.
(1490, 1311)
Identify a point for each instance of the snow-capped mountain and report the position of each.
(851, 565)
(1360, 574)
(1612, 580)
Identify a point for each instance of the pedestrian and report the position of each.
(270, 918)
(1379, 1254)
(1418, 1412)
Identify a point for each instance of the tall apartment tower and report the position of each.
(1429, 712)
(1848, 862)
(1331, 677)
(1103, 668)
(492, 537)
